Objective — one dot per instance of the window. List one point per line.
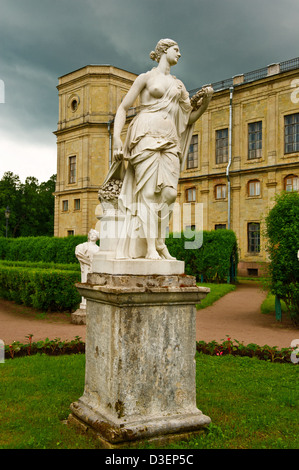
(190, 227)
(254, 188)
(291, 133)
(77, 204)
(291, 183)
(65, 206)
(191, 194)
(222, 146)
(220, 226)
(254, 140)
(192, 157)
(220, 191)
(254, 237)
(70, 233)
(252, 272)
(72, 169)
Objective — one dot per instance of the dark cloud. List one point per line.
(42, 40)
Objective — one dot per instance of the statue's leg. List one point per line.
(148, 214)
(168, 195)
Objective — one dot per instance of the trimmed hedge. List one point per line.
(45, 289)
(47, 249)
(215, 261)
(40, 265)
(41, 272)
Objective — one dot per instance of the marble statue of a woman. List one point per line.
(157, 140)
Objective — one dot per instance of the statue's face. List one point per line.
(93, 236)
(173, 54)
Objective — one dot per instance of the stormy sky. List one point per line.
(40, 40)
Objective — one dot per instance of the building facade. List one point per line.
(244, 150)
(88, 100)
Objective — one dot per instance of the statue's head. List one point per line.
(93, 235)
(161, 48)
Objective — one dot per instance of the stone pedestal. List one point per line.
(79, 316)
(140, 358)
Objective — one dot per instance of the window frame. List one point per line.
(193, 153)
(249, 185)
(72, 169)
(65, 205)
(253, 240)
(75, 203)
(295, 135)
(187, 192)
(293, 178)
(223, 194)
(221, 146)
(255, 142)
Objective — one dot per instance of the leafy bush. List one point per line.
(236, 348)
(214, 261)
(282, 231)
(45, 289)
(47, 249)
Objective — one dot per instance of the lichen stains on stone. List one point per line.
(120, 409)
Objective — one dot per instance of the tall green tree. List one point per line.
(282, 231)
(31, 206)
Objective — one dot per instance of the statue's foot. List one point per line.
(152, 254)
(163, 251)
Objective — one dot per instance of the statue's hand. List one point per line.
(208, 93)
(118, 149)
(202, 97)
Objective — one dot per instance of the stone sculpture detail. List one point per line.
(84, 253)
(156, 146)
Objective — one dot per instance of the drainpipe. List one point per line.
(229, 156)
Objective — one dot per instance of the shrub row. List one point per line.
(40, 265)
(50, 347)
(47, 249)
(58, 347)
(45, 289)
(215, 261)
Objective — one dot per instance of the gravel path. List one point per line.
(236, 315)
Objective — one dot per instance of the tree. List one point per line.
(282, 231)
(31, 205)
(10, 193)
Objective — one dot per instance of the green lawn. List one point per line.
(268, 306)
(217, 291)
(252, 403)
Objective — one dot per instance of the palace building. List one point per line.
(244, 150)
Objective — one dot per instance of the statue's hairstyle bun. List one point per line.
(153, 55)
(161, 48)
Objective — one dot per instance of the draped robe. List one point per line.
(157, 141)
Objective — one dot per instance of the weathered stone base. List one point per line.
(117, 436)
(79, 316)
(140, 357)
(102, 264)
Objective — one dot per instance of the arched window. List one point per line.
(191, 194)
(291, 183)
(254, 188)
(220, 191)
